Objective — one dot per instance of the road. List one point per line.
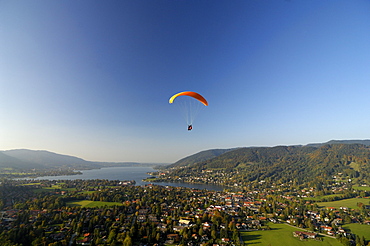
(71, 241)
(321, 234)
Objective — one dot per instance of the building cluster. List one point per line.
(197, 215)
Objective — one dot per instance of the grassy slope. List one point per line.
(362, 188)
(92, 204)
(282, 235)
(317, 198)
(359, 229)
(349, 203)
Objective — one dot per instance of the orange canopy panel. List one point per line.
(190, 94)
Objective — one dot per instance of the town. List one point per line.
(102, 212)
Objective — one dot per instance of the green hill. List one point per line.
(198, 157)
(39, 159)
(355, 141)
(285, 163)
(25, 159)
(44, 158)
(7, 161)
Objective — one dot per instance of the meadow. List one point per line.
(92, 204)
(359, 229)
(319, 198)
(58, 187)
(282, 235)
(51, 188)
(349, 203)
(367, 188)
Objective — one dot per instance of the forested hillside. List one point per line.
(198, 157)
(355, 141)
(44, 158)
(7, 161)
(23, 160)
(284, 163)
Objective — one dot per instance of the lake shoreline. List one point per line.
(138, 174)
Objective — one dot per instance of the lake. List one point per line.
(128, 173)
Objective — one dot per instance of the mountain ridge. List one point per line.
(43, 159)
(198, 157)
(354, 141)
(27, 159)
(214, 153)
(279, 164)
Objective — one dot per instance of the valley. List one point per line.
(301, 195)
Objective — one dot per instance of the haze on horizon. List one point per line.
(92, 79)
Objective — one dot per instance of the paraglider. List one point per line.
(190, 94)
(190, 104)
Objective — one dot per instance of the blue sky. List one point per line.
(93, 78)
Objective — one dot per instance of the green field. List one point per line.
(282, 235)
(58, 187)
(52, 189)
(349, 203)
(361, 188)
(359, 230)
(92, 204)
(318, 198)
(150, 179)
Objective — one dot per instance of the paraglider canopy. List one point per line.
(190, 105)
(190, 94)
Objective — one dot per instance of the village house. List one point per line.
(173, 238)
(304, 235)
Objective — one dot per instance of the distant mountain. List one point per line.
(285, 163)
(44, 158)
(7, 161)
(40, 159)
(364, 142)
(198, 157)
(212, 153)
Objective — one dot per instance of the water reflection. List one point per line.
(128, 173)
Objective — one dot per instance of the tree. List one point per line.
(98, 241)
(201, 232)
(213, 234)
(127, 241)
(345, 241)
(112, 236)
(223, 233)
(362, 240)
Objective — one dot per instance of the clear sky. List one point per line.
(92, 79)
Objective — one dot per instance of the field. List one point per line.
(349, 203)
(92, 204)
(359, 229)
(59, 187)
(52, 188)
(318, 198)
(367, 188)
(282, 235)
